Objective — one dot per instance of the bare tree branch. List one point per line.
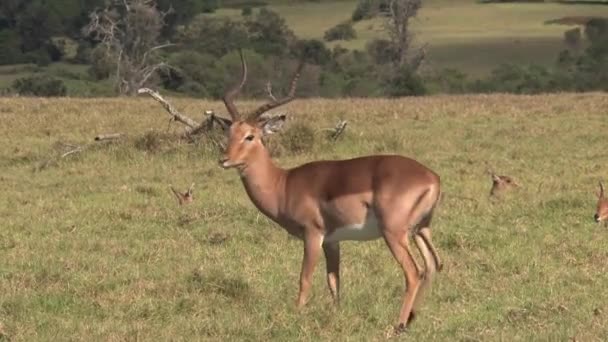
(129, 31)
(177, 116)
(396, 24)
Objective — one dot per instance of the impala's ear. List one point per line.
(495, 178)
(271, 125)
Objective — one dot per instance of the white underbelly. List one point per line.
(368, 230)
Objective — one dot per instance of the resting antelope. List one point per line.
(325, 202)
(501, 184)
(185, 197)
(601, 214)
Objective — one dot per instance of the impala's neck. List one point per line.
(264, 183)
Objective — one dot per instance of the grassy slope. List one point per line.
(472, 37)
(95, 247)
(460, 34)
(74, 77)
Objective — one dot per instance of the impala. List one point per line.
(501, 184)
(325, 202)
(183, 197)
(601, 214)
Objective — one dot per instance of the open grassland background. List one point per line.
(463, 34)
(94, 247)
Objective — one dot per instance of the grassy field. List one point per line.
(462, 34)
(94, 246)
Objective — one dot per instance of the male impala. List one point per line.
(325, 202)
(601, 214)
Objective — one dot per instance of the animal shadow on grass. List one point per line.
(217, 282)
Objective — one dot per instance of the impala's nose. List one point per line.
(596, 217)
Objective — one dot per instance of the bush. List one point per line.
(209, 6)
(246, 11)
(447, 80)
(573, 37)
(364, 10)
(101, 64)
(510, 78)
(403, 82)
(39, 86)
(84, 53)
(269, 34)
(313, 50)
(39, 57)
(10, 53)
(193, 88)
(298, 137)
(343, 31)
(381, 51)
(222, 35)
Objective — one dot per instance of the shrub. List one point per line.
(364, 10)
(246, 11)
(38, 57)
(517, 79)
(448, 80)
(298, 137)
(403, 82)
(151, 141)
(84, 52)
(343, 31)
(313, 50)
(39, 86)
(10, 53)
(222, 35)
(209, 6)
(381, 51)
(101, 64)
(573, 37)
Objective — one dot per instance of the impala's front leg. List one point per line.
(312, 251)
(332, 260)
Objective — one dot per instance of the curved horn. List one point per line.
(601, 189)
(231, 94)
(274, 103)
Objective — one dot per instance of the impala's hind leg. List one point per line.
(332, 261)
(394, 239)
(429, 271)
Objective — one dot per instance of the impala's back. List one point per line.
(349, 198)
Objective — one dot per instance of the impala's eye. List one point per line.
(249, 137)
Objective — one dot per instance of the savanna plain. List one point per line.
(93, 246)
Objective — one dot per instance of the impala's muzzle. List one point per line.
(225, 162)
(596, 217)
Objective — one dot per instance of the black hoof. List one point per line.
(400, 329)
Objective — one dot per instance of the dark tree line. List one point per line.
(178, 46)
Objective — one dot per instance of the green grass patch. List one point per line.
(96, 247)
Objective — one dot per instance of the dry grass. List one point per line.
(95, 247)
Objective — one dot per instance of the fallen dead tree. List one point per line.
(210, 122)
